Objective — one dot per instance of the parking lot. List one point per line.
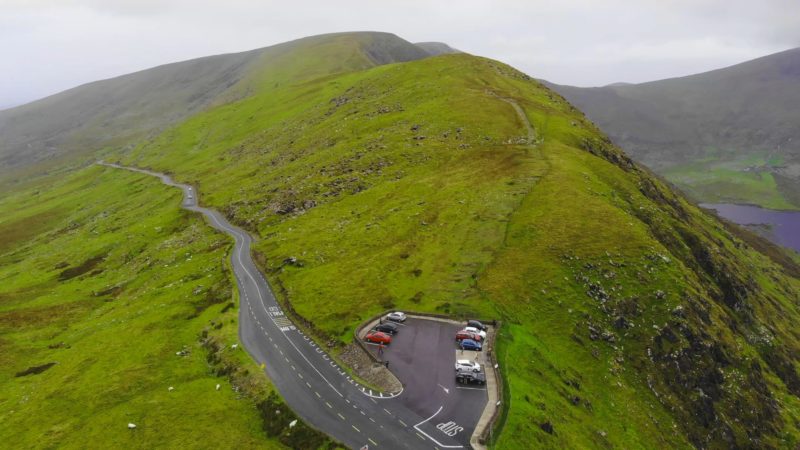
(423, 355)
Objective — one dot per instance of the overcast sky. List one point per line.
(50, 45)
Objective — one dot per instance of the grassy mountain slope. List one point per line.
(633, 318)
(727, 135)
(106, 280)
(116, 112)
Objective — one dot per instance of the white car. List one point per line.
(481, 333)
(396, 316)
(467, 365)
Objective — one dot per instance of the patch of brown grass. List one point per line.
(14, 233)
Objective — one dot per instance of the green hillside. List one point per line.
(632, 319)
(729, 135)
(103, 282)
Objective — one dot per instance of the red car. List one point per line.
(464, 334)
(378, 338)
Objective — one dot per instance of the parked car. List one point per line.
(467, 366)
(477, 324)
(463, 334)
(387, 327)
(477, 331)
(471, 378)
(378, 337)
(469, 344)
(396, 316)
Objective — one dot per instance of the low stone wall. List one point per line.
(495, 405)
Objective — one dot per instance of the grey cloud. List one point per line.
(50, 45)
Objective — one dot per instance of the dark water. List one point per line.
(781, 227)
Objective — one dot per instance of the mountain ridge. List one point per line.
(135, 105)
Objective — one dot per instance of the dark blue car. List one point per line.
(469, 344)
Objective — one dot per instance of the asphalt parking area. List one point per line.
(422, 356)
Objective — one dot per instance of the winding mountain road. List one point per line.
(310, 381)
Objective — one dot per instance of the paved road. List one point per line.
(312, 384)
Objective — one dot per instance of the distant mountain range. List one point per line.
(729, 135)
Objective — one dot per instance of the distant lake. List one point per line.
(781, 227)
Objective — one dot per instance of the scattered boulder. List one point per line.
(547, 427)
(292, 261)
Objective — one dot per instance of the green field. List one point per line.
(632, 318)
(747, 180)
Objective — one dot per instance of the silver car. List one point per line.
(396, 316)
(467, 365)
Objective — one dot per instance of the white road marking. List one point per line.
(416, 427)
(340, 415)
(354, 427)
(329, 405)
